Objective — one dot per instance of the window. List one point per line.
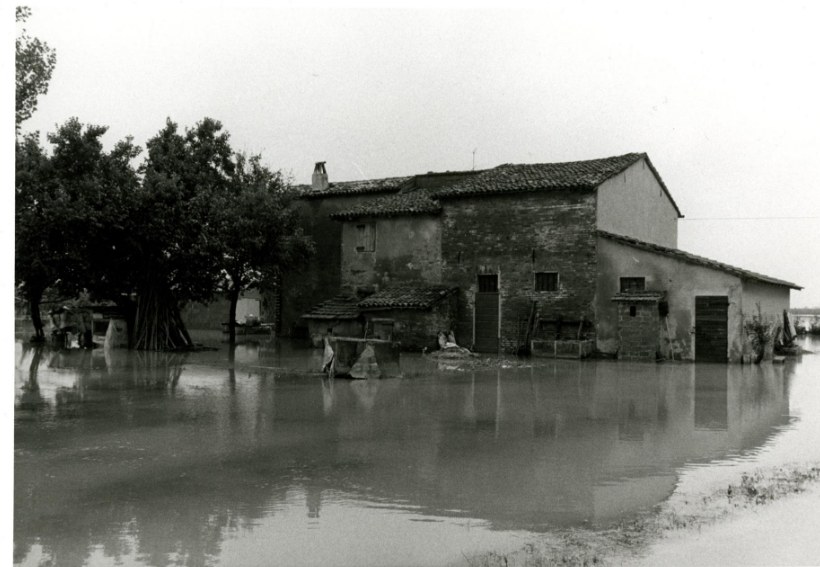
(488, 283)
(365, 237)
(546, 281)
(632, 284)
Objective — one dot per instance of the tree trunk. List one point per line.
(233, 296)
(158, 324)
(34, 298)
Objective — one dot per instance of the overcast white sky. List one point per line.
(724, 98)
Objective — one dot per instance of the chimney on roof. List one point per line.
(319, 177)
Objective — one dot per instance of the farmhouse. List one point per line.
(557, 257)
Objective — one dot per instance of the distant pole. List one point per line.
(474, 149)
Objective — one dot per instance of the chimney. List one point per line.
(319, 177)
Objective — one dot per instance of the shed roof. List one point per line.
(406, 297)
(416, 203)
(339, 307)
(694, 259)
(364, 186)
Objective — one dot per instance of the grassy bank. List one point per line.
(625, 541)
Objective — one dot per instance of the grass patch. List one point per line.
(584, 547)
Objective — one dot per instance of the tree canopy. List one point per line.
(259, 230)
(34, 64)
(71, 207)
(193, 220)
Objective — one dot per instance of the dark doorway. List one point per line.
(711, 328)
(486, 314)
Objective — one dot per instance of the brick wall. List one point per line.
(516, 236)
(639, 333)
(417, 329)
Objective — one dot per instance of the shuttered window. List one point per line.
(633, 284)
(546, 281)
(365, 237)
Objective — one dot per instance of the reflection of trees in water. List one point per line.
(170, 503)
(30, 397)
(157, 369)
(175, 521)
(113, 369)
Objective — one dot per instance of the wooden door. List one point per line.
(486, 314)
(711, 328)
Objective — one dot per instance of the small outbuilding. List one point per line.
(653, 302)
(411, 315)
(337, 316)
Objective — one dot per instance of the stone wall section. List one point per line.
(514, 236)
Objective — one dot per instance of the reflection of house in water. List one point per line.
(589, 444)
(711, 398)
(313, 499)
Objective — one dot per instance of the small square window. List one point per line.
(546, 281)
(629, 285)
(488, 283)
(365, 237)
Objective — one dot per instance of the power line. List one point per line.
(747, 218)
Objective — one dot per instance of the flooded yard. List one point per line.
(125, 458)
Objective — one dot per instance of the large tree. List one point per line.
(259, 231)
(178, 247)
(72, 208)
(195, 219)
(34, 64)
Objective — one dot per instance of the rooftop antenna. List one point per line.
(474, 149)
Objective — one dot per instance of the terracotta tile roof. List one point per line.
(507, 178)
(416, 203)
(339, 307)
(516, 178)
(417, 297)
(694, 259)
(387, 185)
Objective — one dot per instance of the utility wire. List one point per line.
(745, 218)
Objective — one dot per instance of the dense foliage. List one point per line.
(34, 64)
(259, 231)
(71, 207)
(193, 220)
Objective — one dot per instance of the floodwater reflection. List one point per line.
(155, 458)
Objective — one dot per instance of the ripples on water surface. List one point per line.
(154, 459)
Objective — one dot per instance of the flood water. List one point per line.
(126, 458)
